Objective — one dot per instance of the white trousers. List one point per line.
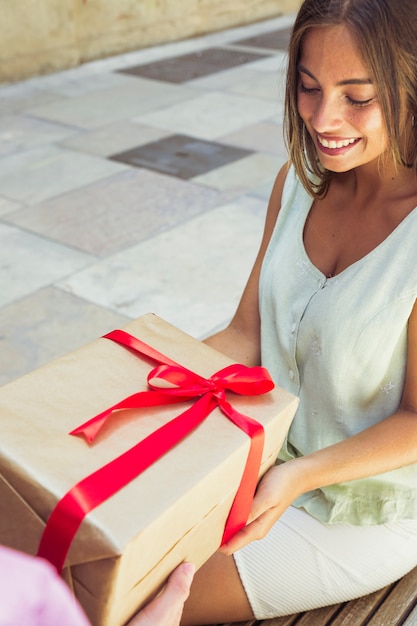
(303, 564)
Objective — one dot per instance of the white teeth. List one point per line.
(335, 144)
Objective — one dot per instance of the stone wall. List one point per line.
(41, 36)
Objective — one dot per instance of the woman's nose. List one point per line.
(327, 115)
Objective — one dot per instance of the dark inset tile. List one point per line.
(195, 65)
(275, 40)
(181, 156)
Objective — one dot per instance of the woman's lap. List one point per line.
(303, 564)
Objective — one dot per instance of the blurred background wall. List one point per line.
(42, 36)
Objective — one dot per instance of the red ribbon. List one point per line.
(180, 385)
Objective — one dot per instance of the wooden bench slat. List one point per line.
(359, 611)
(251, 622)
(396, 608)
(316, 617)
(411, 620)
(287, 620)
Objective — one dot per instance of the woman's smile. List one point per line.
(335, 144)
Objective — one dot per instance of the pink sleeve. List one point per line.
(32, 593)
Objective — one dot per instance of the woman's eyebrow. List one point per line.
(348, 81)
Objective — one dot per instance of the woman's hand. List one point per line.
(280, 486)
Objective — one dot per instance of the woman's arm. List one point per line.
(240, 340)
(388, 445)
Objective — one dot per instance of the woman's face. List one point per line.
(337, 100)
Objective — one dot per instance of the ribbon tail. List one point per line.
(93, 490)
(139, 347)
(139, 400)
(242, 502)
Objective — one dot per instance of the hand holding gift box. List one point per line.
(175, 510)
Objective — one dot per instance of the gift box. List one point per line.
(176, 509)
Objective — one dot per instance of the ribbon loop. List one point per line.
(244, 380)
(177, 379)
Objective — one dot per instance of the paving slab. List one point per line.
(266, 137)
(32, 334)
(48, 171)
(243, 175)
(211, 115)
(116, 213)
(106, 106)
(113, 138)
(20, 133)
(192, 280)
(19, 97)
(264, 85)
(29, 262)
(8, 206)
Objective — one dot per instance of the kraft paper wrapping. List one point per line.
(174, 511)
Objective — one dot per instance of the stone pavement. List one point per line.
(136, 183)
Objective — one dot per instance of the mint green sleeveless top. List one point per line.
(340, 345)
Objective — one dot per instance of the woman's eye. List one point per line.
(308, 90)
(359, 103)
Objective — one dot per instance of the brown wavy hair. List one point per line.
(386, 34)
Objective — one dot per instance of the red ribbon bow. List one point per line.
(168, 383)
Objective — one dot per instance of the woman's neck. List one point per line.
(374, 182)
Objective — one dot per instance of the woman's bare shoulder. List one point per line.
(275, 200)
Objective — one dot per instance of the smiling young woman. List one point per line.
(329, 309)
